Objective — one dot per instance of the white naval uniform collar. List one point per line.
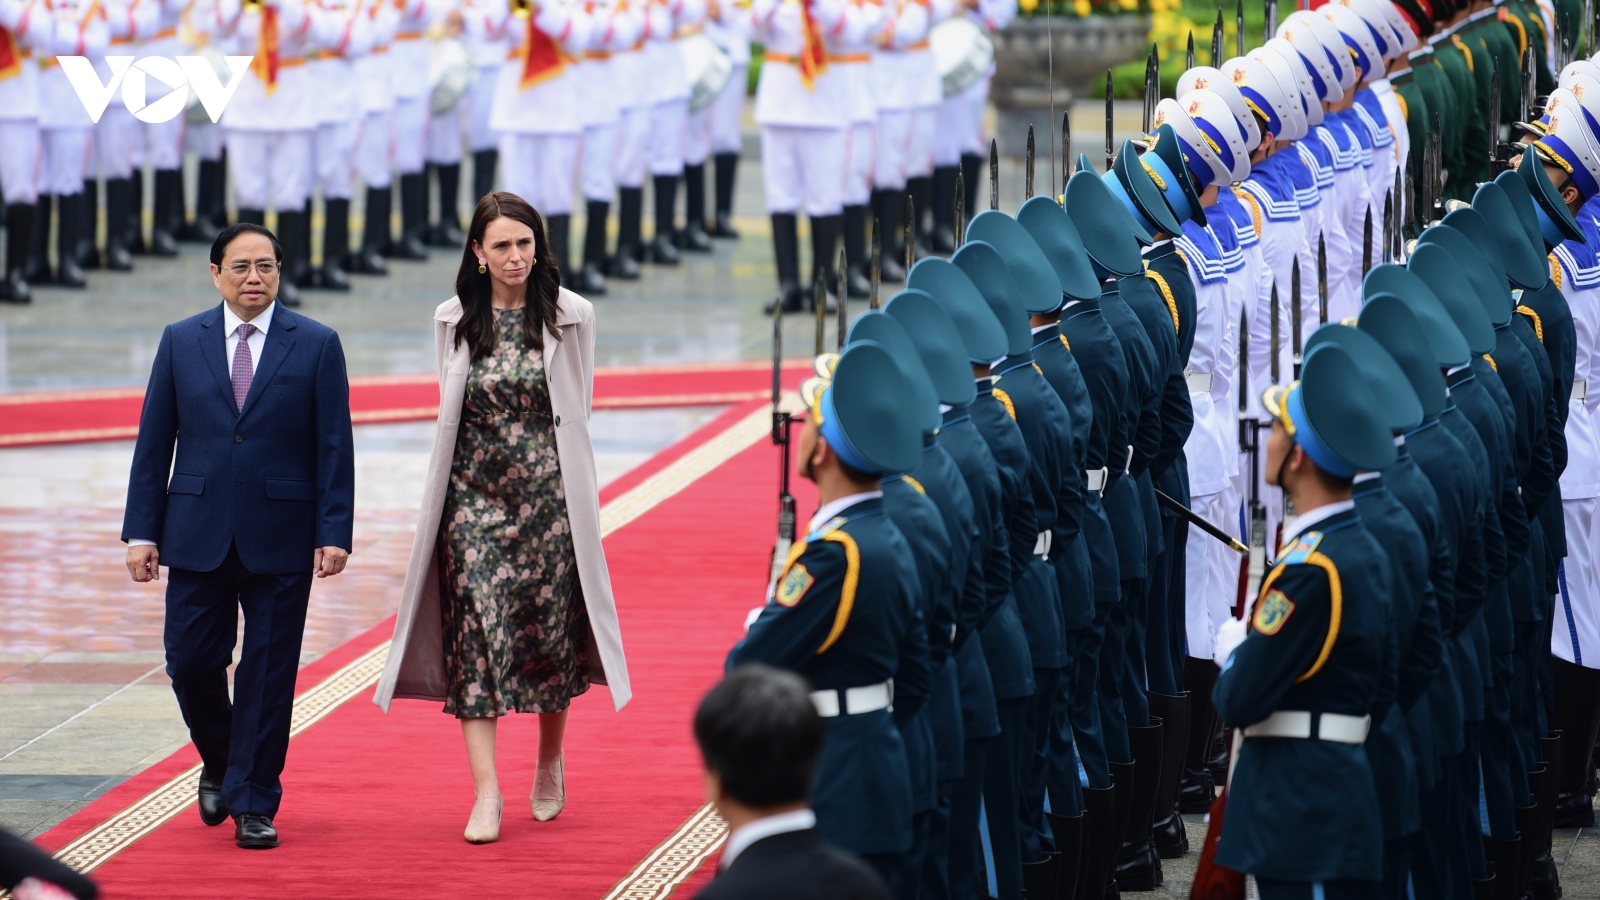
(742, 837)
(832, 508)
(1304, 521)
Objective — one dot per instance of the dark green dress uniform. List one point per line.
(1316, 670)
(845, 614)
(988, 582)
(1414, 106)
(1441, 862)
(1419, 644)
(1463, 144)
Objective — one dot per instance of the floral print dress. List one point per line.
(515, 628)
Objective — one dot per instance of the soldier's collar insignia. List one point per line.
(1303, 548)
(794, 585)
(1273, 610)
(826, 528)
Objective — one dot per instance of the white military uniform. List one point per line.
(203, 138)
(616, 27)
(483, 31)
(118, 136)
(906, 82)
(79, 29)
(271, 120)
(336, 101)
(443, 144)
(376, 96)
(730, 29)
(667, 81)
(535, 106)
(802, 127)
(1575, 635)
(25, 25)
(959, 131)
(408, 73)
(851, 62)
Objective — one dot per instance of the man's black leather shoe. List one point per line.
(254, 831)
(212, 810)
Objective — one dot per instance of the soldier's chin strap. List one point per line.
(1285, 464)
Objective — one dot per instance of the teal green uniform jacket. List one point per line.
(1104, 371)
(1307, 810)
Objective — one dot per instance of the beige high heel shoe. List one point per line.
(480, 830)
(549, 794)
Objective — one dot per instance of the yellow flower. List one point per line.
(1081, 7)
(1028, 6)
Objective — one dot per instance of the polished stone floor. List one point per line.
(85, 699)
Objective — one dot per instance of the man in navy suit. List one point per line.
(248, 409)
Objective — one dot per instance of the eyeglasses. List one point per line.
(266, 268)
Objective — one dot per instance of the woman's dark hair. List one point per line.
(760, 734)
(475, 289)
(220, 245)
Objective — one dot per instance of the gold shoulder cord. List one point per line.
(1005, 400)
(1538, 323)
(1166, 292)
(1335, 616)
(847, 594)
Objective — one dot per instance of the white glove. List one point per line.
(1230, 634)
(752, 616)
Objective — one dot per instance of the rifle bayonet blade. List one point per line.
(1188, 59)
(1238, 29)
(1366, 251)
(1066, 152)
(1322, 279)
(843, 289)
(1388, 225)
(1109, 111)
(1296, 320)
(876, 273)
(1217, 34)
(1494, 117)
(1027, 169)
(961, 208)
(819, 297)
(994, 175)
(1272, 363)
(911, 233)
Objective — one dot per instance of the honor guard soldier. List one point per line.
(981, 524)
(730, 28)
(408, 74)
(374, 146)
(443, 146)
(339, 121)
(160, 144)
(801, 110)
(483, 30)
(118, 141)
(845, 611)
(1305, 679)
(204, 139)
(959, 141)
(25, 26)
(906, 85)
(616, 27)
(65, 133)
(668, 85)
(850, 55)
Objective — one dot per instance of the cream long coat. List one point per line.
(415, 668)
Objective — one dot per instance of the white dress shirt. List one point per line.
(1303, 521)
(761, 829)
(828, 510)
(231, 323)
(258, 341)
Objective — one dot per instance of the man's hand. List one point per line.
(144, 563)
(330, 561)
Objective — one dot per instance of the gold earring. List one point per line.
(482, 269)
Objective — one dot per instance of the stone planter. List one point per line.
(1084, 49)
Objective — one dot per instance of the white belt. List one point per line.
(1297, 723)
(1199, 382)
(853, 701)
(1041, 545)
(1096, 478)
(1580, 390)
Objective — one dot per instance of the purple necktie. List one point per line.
(243, 371)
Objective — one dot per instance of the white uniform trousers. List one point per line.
(727, 113)
(118, 138)
(540, 169)
(1211, 572)
(19, 160)
(919, 152)
(1575, 634)
(204, 140)
(373, 148)
(335, 158)
(1344, 293)
(803, 167)
(444, 138)
(410, 133)
(631, 143)
(860, 159)
(65, 160)
(271, 168)
(163, 143)
(892, 148)
(960, 125)
(481, 98)
(596, 173)
(697, 139)
(668, 136)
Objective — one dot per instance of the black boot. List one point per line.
(591, 280)
(786, 253)
(630, 228)
(1039, 878)
(133, 224)
(448, 233)
(19, 247)
(1544, 876)
(1123, 778)
(824, 257)
(1068, 834)
(1197, 791)
(1170, 838)
(374, 234)
(944, 210)
(1138, 866)
(335, 245)
(727, 174)
(921, 231)
(413, 217)
(858, 262)
(890, 204)
(1502, 856)
(971, 165)
(87, 218)
(1527, 821)
(558, 228)
(663, 251)
(38, 270)
(119, 211)
(168, 212)
(70, 228)
(1100, 841)
(293, 230)
(693, 237)
(483, 163)
(305, 276)
(210, 212)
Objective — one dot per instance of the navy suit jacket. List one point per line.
(276, 478)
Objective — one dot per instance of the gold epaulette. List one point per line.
(1255, 208)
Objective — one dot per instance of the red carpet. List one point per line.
(105, 415)
(374, 805)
